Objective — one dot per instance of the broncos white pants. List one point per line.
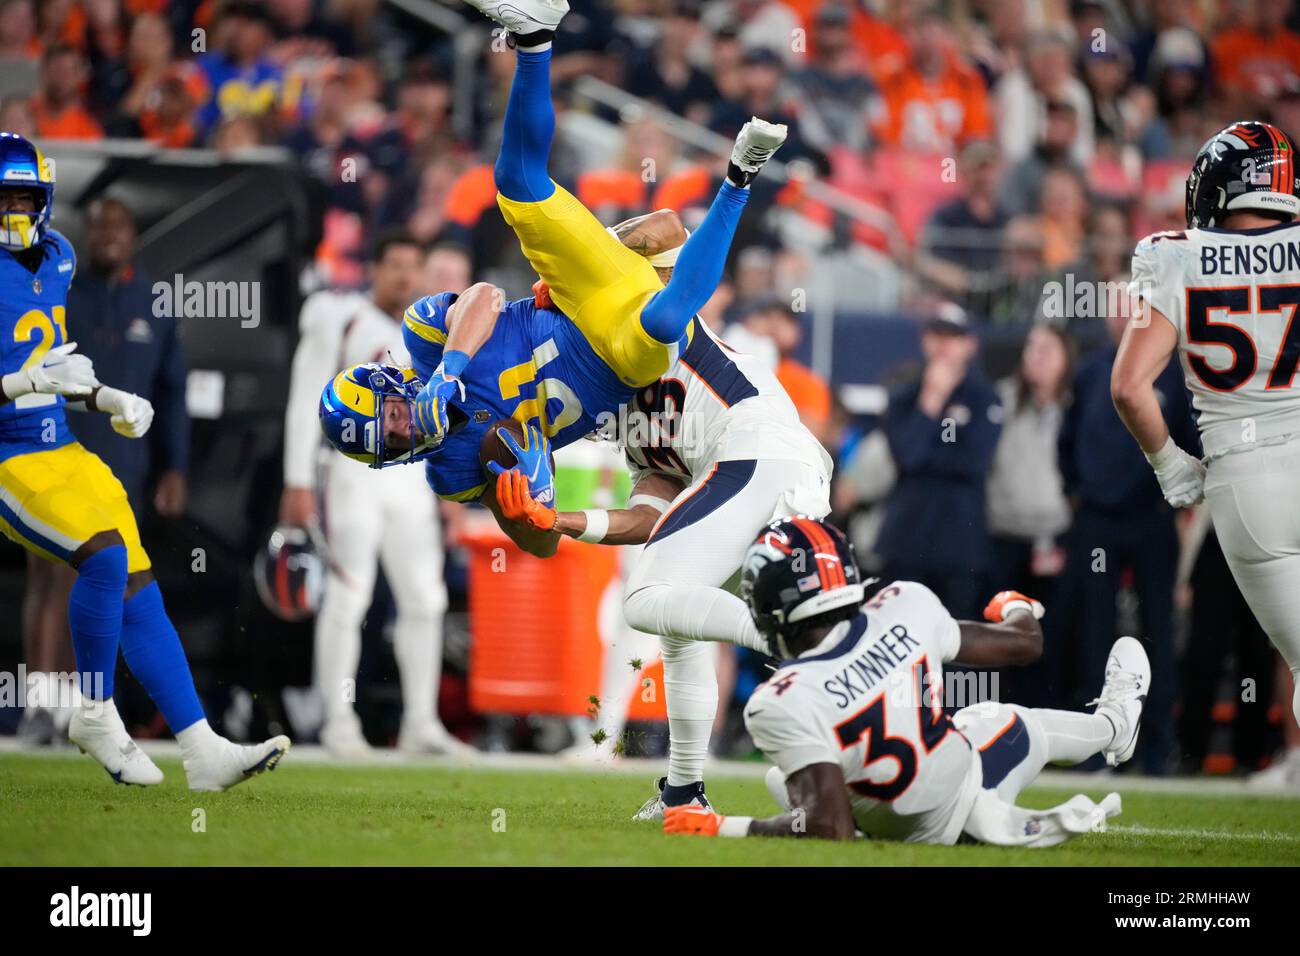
(682, 587)
(373, 516)
(1254, 499)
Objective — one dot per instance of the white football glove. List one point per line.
(131, 414)
(59, 372)
(1181, 477)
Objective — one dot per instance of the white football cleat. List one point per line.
(97, 730)
(1128, 679)
(757, 141)
(343, 739)
(653, 809)
(522, 17)
(1282, 775)
(224, 764)
(433, 738)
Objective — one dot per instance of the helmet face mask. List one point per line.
(23, 167)
(352, 415)
(1245, 167)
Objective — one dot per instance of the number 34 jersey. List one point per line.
(33, 321)
(869, 699)
(1232, 296)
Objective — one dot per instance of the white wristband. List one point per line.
(735, 826)
(1168, 453)
(597, 526)
(16, 384)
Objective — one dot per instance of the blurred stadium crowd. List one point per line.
(948, 162)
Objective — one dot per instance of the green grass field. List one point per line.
(66, 812)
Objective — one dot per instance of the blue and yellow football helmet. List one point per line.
(23, 166)
(351, 414)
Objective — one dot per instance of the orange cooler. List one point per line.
(535, 645)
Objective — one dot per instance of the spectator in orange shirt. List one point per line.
(168, 116)
(58, 107)
(935, 104)
(883, 39)
(1253, 59)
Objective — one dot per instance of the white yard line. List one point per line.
(315, 755)
(1263, 836)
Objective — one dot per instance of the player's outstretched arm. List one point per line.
(1013, 635)
(617, 526)
(820, 810)
(527, 537)
(1149, 342)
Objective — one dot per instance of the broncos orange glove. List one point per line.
(518, 505)
(1004, 602)
(692, 818)
(541, 294)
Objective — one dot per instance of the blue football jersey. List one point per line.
(33, 315)
(535, 367)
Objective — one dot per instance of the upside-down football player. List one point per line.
(614, 326)
(854, 716)
(63, 503)
(479, 359)
(716, 450)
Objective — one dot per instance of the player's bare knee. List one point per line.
(137, 581)
(95, 544)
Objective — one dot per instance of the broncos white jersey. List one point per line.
(870, 699)
(1232, 296)
(714, 404)
(336, 330)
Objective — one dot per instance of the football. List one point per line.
(492, 448)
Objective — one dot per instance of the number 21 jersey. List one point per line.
(33, 321)
(1232, 296)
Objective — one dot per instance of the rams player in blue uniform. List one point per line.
(615, 326)
(63, 503)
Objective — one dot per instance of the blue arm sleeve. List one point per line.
(698, 270)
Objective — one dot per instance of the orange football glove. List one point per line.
(518, 505)
(541, 294)
(1004, 602)
(693, 819)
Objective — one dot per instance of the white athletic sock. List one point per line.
(197, 739)
(417, 645)
(1073, 737)
(1295, 698)
(691, 689)
(693, 613)
(338, 650)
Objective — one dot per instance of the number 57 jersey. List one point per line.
(869, 699)
(33, 321)
(1232, 296)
